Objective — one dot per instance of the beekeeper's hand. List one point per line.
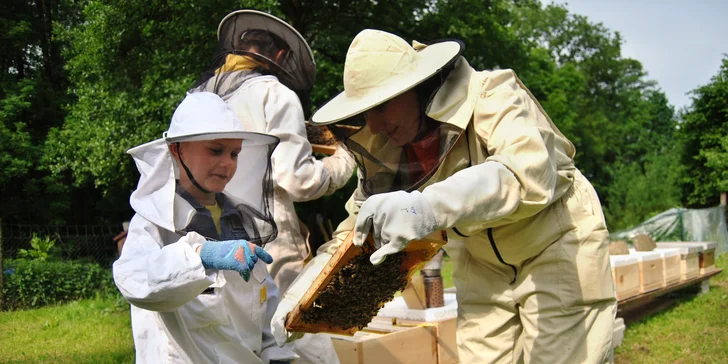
(237, 255)
(294, 294)
(340, 166)
(395, 218)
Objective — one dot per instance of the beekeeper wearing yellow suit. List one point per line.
(264, 69)
(444, 147)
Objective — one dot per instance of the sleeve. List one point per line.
(294, 168)
(156, 277)
(527, 168)
(352, 207)
(270, 350)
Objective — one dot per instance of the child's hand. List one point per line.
(237, 255)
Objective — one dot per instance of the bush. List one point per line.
(35, 283)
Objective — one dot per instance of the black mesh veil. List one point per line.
(252, 43)
(249, 193)
(255, 203)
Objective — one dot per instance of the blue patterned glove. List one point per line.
(234, 255)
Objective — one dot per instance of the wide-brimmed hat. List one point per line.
(205, 116)
(380, 66)
(298, 67)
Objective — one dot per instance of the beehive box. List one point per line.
(651, 268)
(671, 265)
(706, 259)
(349, 290)
(391, 340)
(689, 258)
(626, 274)
(413, 344)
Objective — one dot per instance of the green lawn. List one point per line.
(88, 331)
(694, 330)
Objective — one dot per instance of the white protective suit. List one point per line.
(267, 106)
(163, 278)
(525, 228)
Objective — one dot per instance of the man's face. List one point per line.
(398, 119)
(213, 163)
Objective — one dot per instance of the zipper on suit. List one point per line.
(495, 250)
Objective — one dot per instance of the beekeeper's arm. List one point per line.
(156, 277)
(294, 168)
(518, 179)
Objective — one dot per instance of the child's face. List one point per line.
(212, 162)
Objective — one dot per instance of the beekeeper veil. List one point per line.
(252, 43)
(205, 116)
(380, 67)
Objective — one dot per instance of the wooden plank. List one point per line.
(414, 294)
(629, 303)
(417, 254)
(324, 149)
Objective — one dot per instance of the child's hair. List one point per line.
(267, 43)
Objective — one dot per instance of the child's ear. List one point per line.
(174, 150)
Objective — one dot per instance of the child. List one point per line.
(192, 266)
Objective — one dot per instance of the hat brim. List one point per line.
(433, 59)
(249, 138)
(253, 19)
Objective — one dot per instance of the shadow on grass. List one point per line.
(661, 306)
(100, 357)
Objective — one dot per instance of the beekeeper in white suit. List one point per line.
(442, 146)
(193, 267)
(264, 69)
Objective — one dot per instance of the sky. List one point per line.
(679, 43)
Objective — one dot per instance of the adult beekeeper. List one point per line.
(193, 266)
(264, 69)
(442, 146)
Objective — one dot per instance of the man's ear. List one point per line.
(279, 56)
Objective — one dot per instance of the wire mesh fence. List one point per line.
(96, 243)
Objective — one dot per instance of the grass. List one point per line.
(693, 330)
(88, 331)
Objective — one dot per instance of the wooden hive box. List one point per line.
(689, 258)
(651, 267)
(626, 274)
(411, 344)
(671, 265)
(416, 254)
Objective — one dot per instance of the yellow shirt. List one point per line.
(215, 211)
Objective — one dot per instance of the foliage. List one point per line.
(42, 248)
(704, 131)
(32, 94)
(36, 283)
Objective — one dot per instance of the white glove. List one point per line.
(294, 294)
(397, 218)
(340, 166)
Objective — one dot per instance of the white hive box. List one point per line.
(671, 265)
(651, 268)
(706, 260)
(626, 274)
(689, 258)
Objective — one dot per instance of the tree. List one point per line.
(32, 94)
(704, 129)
